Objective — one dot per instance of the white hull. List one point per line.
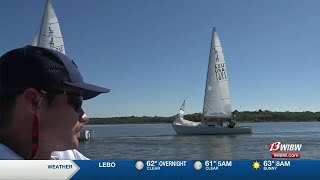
(204, 129)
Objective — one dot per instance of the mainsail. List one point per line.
(35, 40)
(217, 99)
(50, 34)
(182, 108)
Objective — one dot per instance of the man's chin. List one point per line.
(78, 134)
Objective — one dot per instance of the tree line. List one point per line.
(243, 116)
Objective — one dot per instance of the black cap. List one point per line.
(42, 68)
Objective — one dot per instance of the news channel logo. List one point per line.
(281, 150)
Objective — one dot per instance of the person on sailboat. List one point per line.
(232, 123)
(41, 94)
(220, 122)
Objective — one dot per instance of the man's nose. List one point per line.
(84, 119)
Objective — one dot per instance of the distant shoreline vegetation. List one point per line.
(244, 116)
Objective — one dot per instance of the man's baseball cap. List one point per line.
(42, 68)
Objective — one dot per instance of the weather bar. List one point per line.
(159, 169)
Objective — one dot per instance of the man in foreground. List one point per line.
(41, 93)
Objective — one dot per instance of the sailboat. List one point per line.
(217, 104)
(50, 34)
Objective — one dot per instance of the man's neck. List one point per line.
(42, 155)
(16, 147)
(21, 144)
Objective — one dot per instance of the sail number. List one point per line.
(51, 41)
(221, 73)
(60, 49)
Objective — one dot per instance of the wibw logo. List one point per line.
(288, 150)
(278, 146)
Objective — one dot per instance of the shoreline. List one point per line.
(242, 117)
(238, 122)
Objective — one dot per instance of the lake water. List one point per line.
(159, 141)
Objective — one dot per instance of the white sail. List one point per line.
(182, 107)
(217, 99)
(50, 34)
(35, 40)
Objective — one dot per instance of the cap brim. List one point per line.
(88, 90)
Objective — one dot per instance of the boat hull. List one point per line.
(203, 129)
(86, 135)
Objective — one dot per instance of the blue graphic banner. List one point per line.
(208, 169)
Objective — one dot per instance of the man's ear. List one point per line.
(31, 99)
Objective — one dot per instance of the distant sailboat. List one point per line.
(183, 106)
(217, 104)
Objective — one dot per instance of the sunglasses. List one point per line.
(73, 99)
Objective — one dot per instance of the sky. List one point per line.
(153, 54)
